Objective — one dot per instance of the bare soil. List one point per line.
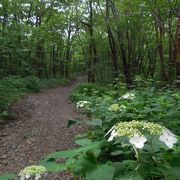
(40, 128)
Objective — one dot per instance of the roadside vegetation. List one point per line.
(13, 88)
(132, 134)
(130, 52)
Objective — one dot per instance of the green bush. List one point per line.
(87, 90)
(32, 84)
(127, 136)
(96, 158)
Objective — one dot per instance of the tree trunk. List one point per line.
(159, 38)
(92, 47)
(178, 48)
(112, 43)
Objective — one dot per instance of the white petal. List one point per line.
(138, 141)
(110, 138)
(113, 134)
(162, 138)
(167, 131)
(168, 140)
(27, 176)
(173, 139)
(169, 144)
(139, 145)
(109, 131)
(38, 176)
(22, 178)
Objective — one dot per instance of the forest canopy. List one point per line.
(109, 39)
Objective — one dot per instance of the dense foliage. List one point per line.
(104, 154)
(107, 38)
(133, 45)
(100, 157)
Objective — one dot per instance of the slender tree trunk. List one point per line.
(112, 42)
(122, 47)
(92, 47)
(159, 38)
(178, 49)
(68, 52)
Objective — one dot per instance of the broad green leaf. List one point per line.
(83, 142)
(130, 164)
(174, 173)
(130, 176)
(9, 176)
(70, 163)
(54, 167)
(95, 122)
(74, 152)
(119, 152)
(119, 168)
(100, 172)
(84, 164)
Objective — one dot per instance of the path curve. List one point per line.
(40, 128)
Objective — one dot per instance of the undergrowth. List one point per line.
(133, 135)
(14, 87)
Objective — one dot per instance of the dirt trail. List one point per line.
(40, 128)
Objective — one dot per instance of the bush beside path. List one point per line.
(40, 128)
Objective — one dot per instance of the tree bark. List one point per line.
(178, 48)
(92, 47)
(112, 43)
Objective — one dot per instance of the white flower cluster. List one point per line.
(134, 130)
(33, 171)
(82, 104)
(129, 96)
(116, 107)
(122, 107)
(113, 107)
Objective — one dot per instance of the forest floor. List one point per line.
(40, 127)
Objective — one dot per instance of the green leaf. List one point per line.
(74, 152)
(175, 161)
(83, 142)
(131, 176)
(84, 164)
(174, 173)
(52, 166)
(9, 176)
(119, 167)
(70, 163)
(130, 164)
(119, 152)
(95, 122)
(100, 172)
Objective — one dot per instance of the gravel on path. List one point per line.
(40, 128)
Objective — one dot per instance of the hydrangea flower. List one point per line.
(130, 96)
(122, 107)
(32, 171)
(168, 138)
(138, 141)
(81, 104)
(114, 107)
(136, 131)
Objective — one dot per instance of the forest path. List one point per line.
(40, 128)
